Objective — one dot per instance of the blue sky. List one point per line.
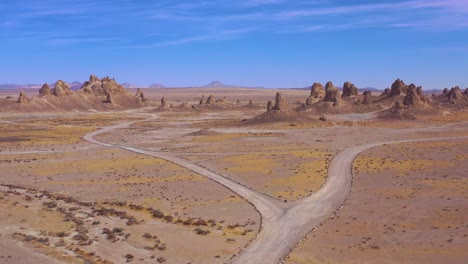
(271, 43)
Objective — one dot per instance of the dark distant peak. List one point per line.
(215, 84)
(156, 85)
(127, 85)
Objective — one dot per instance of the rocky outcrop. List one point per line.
(455, 94)
(250, 103)
(222, 100)
(349, 89)
(141, 96)
(269, 106)
(210, 100)
(386, 92)
(466, 92)
(367, 97)
(310, 101)
(398, 87)
(238, 102)
(61, 89)
(22, 98)
(281, 104)
(109, 98)
(317, 91)
(45, 90)
(100, 87)
(421, 94)
(163, 102)
(397, 108)
(445, 91)
(412, 98)
(332, 93)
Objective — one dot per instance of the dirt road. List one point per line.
(282, 228)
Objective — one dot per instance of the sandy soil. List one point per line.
(407, 206)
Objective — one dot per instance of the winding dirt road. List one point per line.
(282, 228)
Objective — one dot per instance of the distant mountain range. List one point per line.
(218, 84)
(73, 86)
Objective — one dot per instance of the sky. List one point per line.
(268, 43)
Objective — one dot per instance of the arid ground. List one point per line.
(228, 182)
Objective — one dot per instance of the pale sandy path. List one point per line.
(282, 228)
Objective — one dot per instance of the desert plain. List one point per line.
(233, 175)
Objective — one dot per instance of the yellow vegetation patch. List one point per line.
(308, 177)
(41, 220)
(377, 164)
(285, 174)
(27, 135)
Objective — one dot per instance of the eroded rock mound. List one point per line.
(421, 95)
(281, 104)
(163, 102)
(412, 97)
(455, 94)
(349, 89)
(210, 100)
(398, 87)
(332, 93)
(386, 92)
(61, 89)
(317, 90)
(109, 98)
(397, 108)
(141, 96)
(102, 87)
(22, 98)
(310, 101)
(45, 90)
(367, 97)
(269, 106)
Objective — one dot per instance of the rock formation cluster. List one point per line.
(332, 93)
(61, 89)
(45, 90)
(349, 89)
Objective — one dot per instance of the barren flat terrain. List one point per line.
(226, 182)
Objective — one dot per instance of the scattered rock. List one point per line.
(45, 90)
(349, 89)
(316, 90)
(281, 104)
(250, 103)
(61, 89)
(238, 102)
(323, 118)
